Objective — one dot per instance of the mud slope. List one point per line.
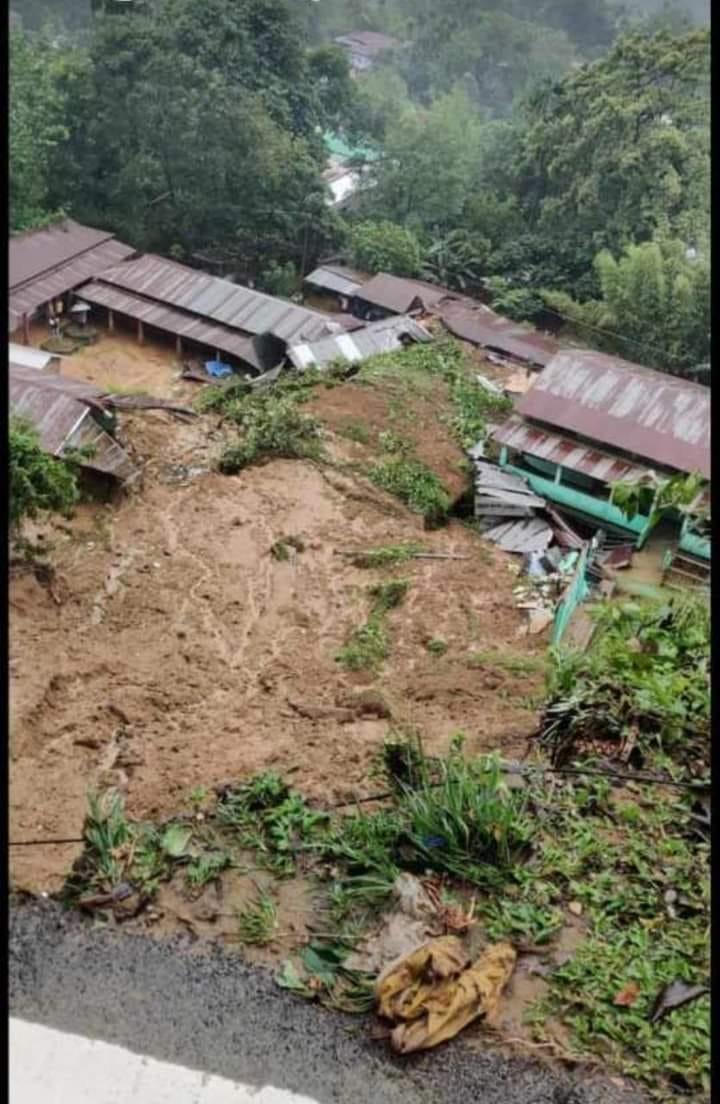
(176, 651)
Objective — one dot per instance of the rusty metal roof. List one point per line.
(378, 337)
(237, 307)
(26, 297)
(518, 434)
(400, 295)
(481, 326)
(650, 414)
(60, 410)
(176, 322)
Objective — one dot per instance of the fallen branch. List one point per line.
(411, 555)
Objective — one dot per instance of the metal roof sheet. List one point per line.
(398, 294)
(343, 281)
(603, 398)
(481, 326)
(55, 406)
(25, 356)
(235, 306)
(176, 322)
(518, 434)
(368, 42)
(27, 297)
(36, 251)
(378, 337)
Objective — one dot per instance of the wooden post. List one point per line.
(178, 345)
(141, 333)
(111, 321)
(26, 330)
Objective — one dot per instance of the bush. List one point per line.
(414, 484)
(270, 425)
(38, 482)
(385, 247)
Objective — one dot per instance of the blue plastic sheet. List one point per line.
(217, 369)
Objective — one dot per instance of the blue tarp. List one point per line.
(217, 369)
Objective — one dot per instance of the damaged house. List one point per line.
(591, 420)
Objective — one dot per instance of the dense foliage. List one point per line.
(551, 153)
(38, 482)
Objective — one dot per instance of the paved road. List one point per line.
(206, 1011)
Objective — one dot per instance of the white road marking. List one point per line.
(58, 1068)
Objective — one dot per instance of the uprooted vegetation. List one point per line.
(270, 421)
(369, 644)
(642, 690)
(626, 863)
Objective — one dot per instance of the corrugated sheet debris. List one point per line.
(60, 409)
(378, 337)
(210, 297)
(502, 494)
(526, 535)
(25, 356)
(602, 398)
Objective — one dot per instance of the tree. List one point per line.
(617, 150)
(654, 306)
(385, 247)
(36, 126)
(456, 260)
(38, 483)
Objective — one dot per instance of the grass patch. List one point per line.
(366, 649)
(508, 661)
(257, 921)
(414, 484)
(357, 432)
(388, 595)
(386, 556)
(207, 868)
(437, 646)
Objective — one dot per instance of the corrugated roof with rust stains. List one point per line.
(36, 251)
(337, 278)
(481, 326)
(602, 398)
(524, 436)
(230, 304)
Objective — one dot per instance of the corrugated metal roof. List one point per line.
(174, 321)
(27, 297)
(25, 356)
(238, 307)
(398, 294)
(518, 434)
(647, 413)
(36, 251)
(368, 42)
(56, 407)
(337, 278)
(378, 337)
(482, 326)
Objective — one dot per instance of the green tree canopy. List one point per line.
(38, 483)
(385, 247)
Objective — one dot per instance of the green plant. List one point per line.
(514, 662)
(437, 646)
(207, 867)
(388, 595)
(258, 920)
(38, 483)
(356, 431)
(267, 816)
(386, 556)
(281, 549)
(521, 920)
(414, 484)
(269, 427)
(367, 647)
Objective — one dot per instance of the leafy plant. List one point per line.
(258, 920)
(268, 817)
(207, 867)
(414, 484)
(437, 646)
(385, 247)
(367, 647)
(38, 482)
(388, 595)
(386, 556)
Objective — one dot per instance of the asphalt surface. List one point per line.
(207, 1010)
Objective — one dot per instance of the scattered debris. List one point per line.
(501, 494)
(673, 996)
(147, 402)
(433, 993)
(627, 995)
(529, 535)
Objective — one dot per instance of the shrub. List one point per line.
(38, 483)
